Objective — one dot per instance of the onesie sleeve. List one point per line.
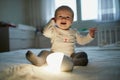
(48, 30)
(82, 40)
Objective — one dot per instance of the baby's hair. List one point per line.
(64, 8)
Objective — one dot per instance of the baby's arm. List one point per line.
(82, 40)
(49, 28)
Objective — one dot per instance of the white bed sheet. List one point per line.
(104, 64)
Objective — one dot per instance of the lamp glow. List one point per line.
(59, 62)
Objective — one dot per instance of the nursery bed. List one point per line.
(104, 64)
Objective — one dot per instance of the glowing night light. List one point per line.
(59, 62)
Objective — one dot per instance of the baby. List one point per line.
(63, 38)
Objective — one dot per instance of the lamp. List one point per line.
(60, 62)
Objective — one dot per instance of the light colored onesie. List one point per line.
(64, 40)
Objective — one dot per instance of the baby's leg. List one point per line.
(43, 55)
(36, 60)
(80, 59)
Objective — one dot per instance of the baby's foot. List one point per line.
(80, 62)
(33, 58)
(81, 55)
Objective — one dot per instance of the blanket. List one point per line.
(103, 65)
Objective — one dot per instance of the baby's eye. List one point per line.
(68, 17)
(60, 16)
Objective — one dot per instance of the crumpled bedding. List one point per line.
(103, 65)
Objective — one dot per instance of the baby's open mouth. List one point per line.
(63, 23)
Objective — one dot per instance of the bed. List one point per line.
(104, 64)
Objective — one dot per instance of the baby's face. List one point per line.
(64, 19)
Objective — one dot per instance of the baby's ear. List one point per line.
(53, 19)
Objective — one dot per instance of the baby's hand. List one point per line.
(52, 21)
(92, 32)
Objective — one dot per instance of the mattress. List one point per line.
(104, 64)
